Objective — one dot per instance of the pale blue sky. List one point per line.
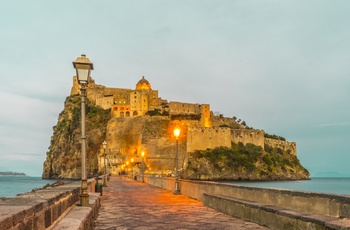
(281, 66)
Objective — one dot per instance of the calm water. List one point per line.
(12, 185)
(324, 185)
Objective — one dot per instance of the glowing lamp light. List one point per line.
(177, 133)
(104, 144)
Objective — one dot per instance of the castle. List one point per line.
(203, 129)
(131, 103)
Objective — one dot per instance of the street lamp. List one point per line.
(176, 135)
(83, 66)
(127, 168)
(104, 145)
(142, 166)
(132, 168)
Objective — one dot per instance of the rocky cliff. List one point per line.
(127, 137)
(63, 159)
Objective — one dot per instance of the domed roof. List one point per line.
(143, 84)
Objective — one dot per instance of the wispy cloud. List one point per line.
(335, 124)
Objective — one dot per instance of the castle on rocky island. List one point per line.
(204, 131)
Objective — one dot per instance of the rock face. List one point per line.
(63, 159)
(128, 137)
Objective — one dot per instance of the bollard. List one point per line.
(98, 186)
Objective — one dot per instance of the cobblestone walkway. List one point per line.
(128, 204)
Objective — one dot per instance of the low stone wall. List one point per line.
(307, 202)
(41, 209)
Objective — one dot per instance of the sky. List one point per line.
(280, 66)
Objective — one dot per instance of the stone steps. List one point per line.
(272, 216)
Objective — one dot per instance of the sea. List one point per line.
(330, 185)
(10, 186)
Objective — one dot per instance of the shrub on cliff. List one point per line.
(243, 162)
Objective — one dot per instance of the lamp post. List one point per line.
(176, 135)
(104, 144)
(83, 66)
(142, 166)
(132, 168)
(127, 168)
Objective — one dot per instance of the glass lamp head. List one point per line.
(83, 66)
(104, 144)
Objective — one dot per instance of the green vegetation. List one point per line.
(157, 112)
(274, 136)
(228, 163)
(185, 117)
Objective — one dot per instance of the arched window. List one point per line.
(128, 114)
(115, 108)
(135, 114)
(121, 114)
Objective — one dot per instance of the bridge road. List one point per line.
(128, 204)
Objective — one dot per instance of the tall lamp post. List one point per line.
(132, 168)
(83, 66)
(127, 168)
(142, 166)
(176, 135)
(104, 145)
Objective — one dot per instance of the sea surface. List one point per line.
(10, 186)
(323, 185)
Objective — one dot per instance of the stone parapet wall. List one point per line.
(41, 209)
(290, 147)
(307, 202)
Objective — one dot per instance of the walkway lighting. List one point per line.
(83, 67)
(176, 135)
(104, 145)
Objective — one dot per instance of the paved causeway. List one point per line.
(128, 204)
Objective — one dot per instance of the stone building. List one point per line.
(130, 103)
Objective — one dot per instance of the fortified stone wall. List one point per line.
(200, 138)
(205, 115)
(246, 136)
(183, 108)
(284, 145)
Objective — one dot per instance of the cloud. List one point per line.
(336, 124)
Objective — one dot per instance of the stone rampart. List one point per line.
(290, 147)
(200, 138)
(246, 136)
(41, 209)
(328, 205)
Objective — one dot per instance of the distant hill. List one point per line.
(12, 174)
